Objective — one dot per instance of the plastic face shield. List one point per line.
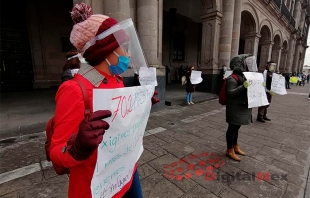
(250, 62)
(272, 67)
(127, 38)
(81, 59)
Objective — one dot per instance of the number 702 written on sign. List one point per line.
(128, 103)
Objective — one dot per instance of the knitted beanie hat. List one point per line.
(87, 26)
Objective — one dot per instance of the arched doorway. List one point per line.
(264, 47)
(248, 36)
(276, 50)
(284, 54)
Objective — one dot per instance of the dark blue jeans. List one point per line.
(135, 190)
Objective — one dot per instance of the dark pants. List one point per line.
(135, 190)
(262, 111)
(287, 84)
(232, 135)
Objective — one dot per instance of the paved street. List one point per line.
(184, 155)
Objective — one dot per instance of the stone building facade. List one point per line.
(173, 33)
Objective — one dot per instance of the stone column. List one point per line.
(276, 56)
(265, 55)
(302, 19)
(226, 32)
(251, 44)
(297, 10)
(210, 40)
(236, 29)
(35, 37)
(211, 23)
(119, 10)
(147, 26)
(282, 66)
(296, 57)
(290, 58)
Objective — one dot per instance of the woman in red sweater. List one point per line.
(76, 138)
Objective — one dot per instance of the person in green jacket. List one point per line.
(237, 111)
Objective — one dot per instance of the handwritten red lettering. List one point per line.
(124, 106)
(119, 102)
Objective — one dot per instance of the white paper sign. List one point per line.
(278, 84)
(256, 91)
(227, 74)
(147, 76)
(122, 143)
(196, 77)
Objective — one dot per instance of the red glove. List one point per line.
(154, 99)
(82, 145)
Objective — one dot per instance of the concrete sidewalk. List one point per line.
(184, 155)
(28, 112)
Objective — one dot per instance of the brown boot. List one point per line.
(238, 150)
(231, 153)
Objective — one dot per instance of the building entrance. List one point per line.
(16, 64)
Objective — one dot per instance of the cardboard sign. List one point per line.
(256, 91)
(196, 77)
(278, 84)
(147, 76)
(122, 145)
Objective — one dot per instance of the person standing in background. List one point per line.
(71, 67)
(287, 81)
(262, 110)
(190, 88)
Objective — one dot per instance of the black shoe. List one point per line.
(267, 119)
(260, 120)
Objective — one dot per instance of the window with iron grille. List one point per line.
(179, 47)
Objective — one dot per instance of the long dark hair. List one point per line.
(73, 63)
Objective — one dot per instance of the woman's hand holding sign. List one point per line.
(90, 135)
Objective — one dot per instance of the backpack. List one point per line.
(60, 170)
(223, 92)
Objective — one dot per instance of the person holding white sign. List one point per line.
(109, 47)
(262, 111)
(190, 88)
(237, 111)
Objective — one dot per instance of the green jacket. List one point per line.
(237, 111)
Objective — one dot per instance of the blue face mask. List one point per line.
(121, 67)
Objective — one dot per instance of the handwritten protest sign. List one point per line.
(256, 91)
(122, 145)
(196, 77)
(227, 74)
(278, 84)
(147, 76)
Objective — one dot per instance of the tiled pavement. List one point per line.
(184, 155)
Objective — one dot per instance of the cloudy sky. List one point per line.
(307, 58)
